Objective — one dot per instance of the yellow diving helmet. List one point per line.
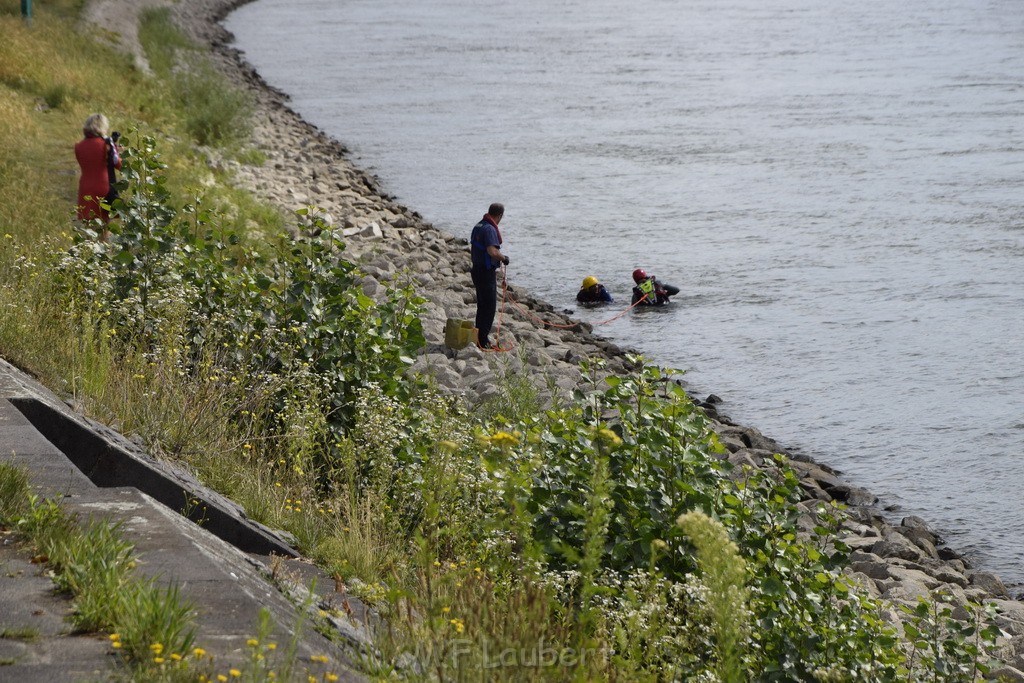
(589, 281)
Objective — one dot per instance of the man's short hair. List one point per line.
(496, 209)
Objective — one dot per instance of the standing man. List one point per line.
(485, 247)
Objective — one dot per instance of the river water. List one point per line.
(836, 188)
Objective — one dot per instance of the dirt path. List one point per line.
(121, 19)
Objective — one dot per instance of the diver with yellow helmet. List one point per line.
(593, 292)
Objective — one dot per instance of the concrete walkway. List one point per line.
(223, 568)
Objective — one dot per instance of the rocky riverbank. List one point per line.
(897, 561)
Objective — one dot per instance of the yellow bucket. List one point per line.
(458, 333)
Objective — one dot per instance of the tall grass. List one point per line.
(215, 112)
(95, 566)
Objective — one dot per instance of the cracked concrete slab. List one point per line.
(212, 564)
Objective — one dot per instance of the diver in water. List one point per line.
(648, 291)
(593, 293)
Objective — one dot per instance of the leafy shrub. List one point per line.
(292, 328)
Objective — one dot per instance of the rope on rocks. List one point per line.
(505, 296)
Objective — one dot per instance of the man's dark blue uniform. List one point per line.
(485, 247)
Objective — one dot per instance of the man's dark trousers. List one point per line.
(486, 301)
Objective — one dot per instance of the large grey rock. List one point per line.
(869, 565)
(1011, 616)
(907, 591)
(988, 582)
(916, 576)
(1006, 674)
(896, 545)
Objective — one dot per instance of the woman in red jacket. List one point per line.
(97, 155)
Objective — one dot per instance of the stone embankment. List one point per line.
(897, 561)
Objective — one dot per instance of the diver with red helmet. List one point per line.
(649, 291)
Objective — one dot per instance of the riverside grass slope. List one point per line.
(520, 540)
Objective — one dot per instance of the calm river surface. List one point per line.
(838, 189)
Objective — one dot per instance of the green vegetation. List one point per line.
(151, 627)
(95, 566)
(602, 539)
(25, 633)
(214, 112)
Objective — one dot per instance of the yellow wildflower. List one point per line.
(502, 439)
(609, 437)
